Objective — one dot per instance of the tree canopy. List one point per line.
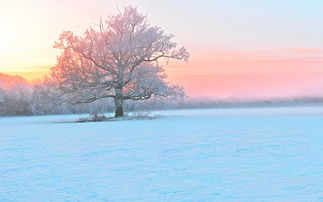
(119, 58)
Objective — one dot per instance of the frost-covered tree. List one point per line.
(119, 59)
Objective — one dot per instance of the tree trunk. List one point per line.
(118, 101)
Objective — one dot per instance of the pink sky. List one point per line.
(252, 74)
(246, 50)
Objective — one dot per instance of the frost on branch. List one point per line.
(117, 59)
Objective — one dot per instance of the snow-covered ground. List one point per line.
(273, 154)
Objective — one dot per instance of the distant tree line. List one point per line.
(22, 99)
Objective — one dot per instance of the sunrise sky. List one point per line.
(239, 48)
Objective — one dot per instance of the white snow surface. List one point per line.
(252, 154)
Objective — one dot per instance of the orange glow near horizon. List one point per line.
(31, 74)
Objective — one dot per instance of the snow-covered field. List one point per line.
(272, 154)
